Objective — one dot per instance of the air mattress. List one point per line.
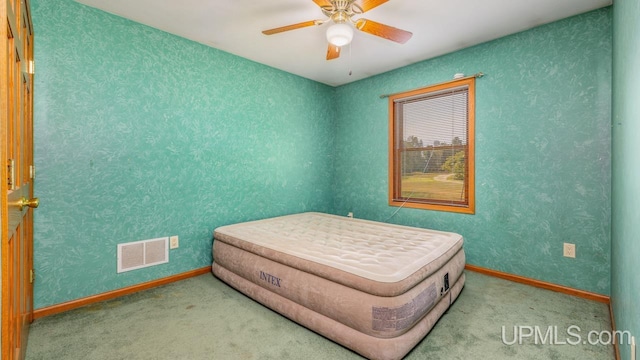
(372, 287)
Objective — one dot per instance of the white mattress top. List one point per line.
(377, 251)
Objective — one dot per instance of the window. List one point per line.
(431, 147)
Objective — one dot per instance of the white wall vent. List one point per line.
(140, 254)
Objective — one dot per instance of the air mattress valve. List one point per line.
(445, 285)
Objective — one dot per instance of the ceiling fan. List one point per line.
(340, 33)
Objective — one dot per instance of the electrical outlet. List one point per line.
(569, 250)
(174, 243)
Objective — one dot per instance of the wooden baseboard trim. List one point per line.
(540, 284)
(74, 304)
(616, 347)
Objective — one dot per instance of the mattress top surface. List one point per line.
(377, 251)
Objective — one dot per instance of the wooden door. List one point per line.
(16, 100)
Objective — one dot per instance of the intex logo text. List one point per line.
(270, 278)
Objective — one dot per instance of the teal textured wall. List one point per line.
(543, 115)
(141, 134)
(625, 253)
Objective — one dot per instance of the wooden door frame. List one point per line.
(4, 173)
(22, 28)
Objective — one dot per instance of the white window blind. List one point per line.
(431, 128)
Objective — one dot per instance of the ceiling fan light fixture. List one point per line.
(339, 34)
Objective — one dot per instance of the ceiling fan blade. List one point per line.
(333, 52)
(367, 5)
(384, 31)
(323, 3)
(290, 27)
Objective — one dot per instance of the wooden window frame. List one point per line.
(395, 199)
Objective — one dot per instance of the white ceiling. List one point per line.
(438, 27)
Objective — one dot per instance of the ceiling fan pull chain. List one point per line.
(350, 60)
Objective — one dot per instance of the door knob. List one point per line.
(32, 203)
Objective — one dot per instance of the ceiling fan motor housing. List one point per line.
(341, 11)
